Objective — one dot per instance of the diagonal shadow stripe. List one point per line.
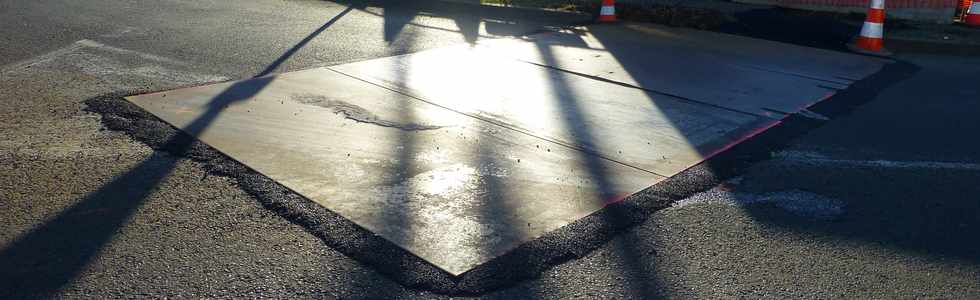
(46, 259)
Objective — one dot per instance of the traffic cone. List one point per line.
(962, 8)
(608, 11)
(973, 14)
(872, 37)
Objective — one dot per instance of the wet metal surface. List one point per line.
(743, 74)
(454, 190)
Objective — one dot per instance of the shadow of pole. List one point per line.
(411, 23)
(50, 256)
(469, 27)
(46, 259)
(289, 53)
(574, 121)
(399, 15)
(468, 17)
(498, 209)
(397, 203)
(395, 22)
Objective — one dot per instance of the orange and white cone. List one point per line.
(962, 8)
(872, 37)
(608, 11)
(973, 14)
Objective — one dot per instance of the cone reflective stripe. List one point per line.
(962, 8)
(973, 14)
(608, 11)
(872, 33)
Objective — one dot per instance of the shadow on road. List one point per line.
(922, 212)
(930, 213)
(572, 108)
(49, 257)
(468, 18)
(927, 212)
(52, 255)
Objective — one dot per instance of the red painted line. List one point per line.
(622, 197)
(726, 147)
(740, 140)
(811, 104)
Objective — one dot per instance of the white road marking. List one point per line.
(812, 115)
(58, 80)
(126, 31)
(801, 203)
(118, 67)
(101, 46)
(30, 62)
(816, 158)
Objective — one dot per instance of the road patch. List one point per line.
(457, 194)
(461, 154)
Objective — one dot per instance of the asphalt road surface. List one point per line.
(881, 201)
